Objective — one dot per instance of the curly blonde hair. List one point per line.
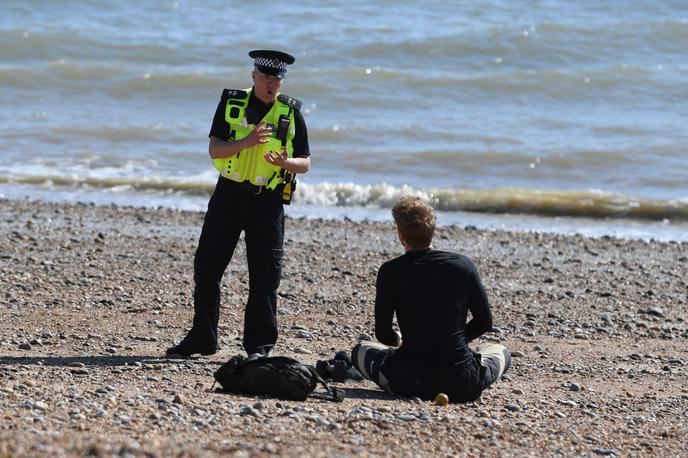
(415, 220)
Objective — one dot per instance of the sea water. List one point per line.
(522, 115)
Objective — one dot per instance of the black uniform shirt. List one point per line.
(255, 111)
(431, 292)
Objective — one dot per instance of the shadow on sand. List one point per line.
(364, 393)
(94, 361)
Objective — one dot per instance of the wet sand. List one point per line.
(91, 296)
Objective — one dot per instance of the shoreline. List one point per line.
(622, 228)
(597, 327)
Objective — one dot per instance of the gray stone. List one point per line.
(302, 351)
(248, 410)
(40, 405)
(491, 423)
(513, 407)
(304, 335)
(604, 451)
(654, 311)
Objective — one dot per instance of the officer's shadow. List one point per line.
(95, 361)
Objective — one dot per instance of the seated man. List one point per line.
(431, 293)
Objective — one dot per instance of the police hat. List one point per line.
(272, 62)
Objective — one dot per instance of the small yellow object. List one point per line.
(286, 192)
(441, 399)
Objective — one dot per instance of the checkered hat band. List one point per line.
(270, 63)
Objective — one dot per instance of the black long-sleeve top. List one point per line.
(431, 293)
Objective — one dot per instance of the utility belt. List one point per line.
(285, 190)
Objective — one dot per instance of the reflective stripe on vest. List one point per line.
(249, 163)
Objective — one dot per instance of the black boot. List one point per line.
(191, 345)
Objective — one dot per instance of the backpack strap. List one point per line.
(331, 394)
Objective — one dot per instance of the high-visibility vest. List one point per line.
(249, 164)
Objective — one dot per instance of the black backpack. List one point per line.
(276, 376)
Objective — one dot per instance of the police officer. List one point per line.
(258, 142)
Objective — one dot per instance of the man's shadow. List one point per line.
(94, 361)
(368, 394)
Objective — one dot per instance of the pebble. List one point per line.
(79, 371)
(654, 311)
(304, 335)
(248, 410)
(406, 417)
(302, 351)
(574, 387)
(40, 405)
(513, 407)
(491, 423)
(365, 336)
(604, 451)
(517, 354)
(320, 422)
(25, 346)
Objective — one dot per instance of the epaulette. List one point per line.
(234, 94)
(285, 99)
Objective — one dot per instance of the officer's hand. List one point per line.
(275, 158)
(260, 134)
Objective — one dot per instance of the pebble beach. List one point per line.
(92, 295)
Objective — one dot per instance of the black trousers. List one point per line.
(231, 210)
(409, 377)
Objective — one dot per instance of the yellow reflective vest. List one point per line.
(249, 163)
